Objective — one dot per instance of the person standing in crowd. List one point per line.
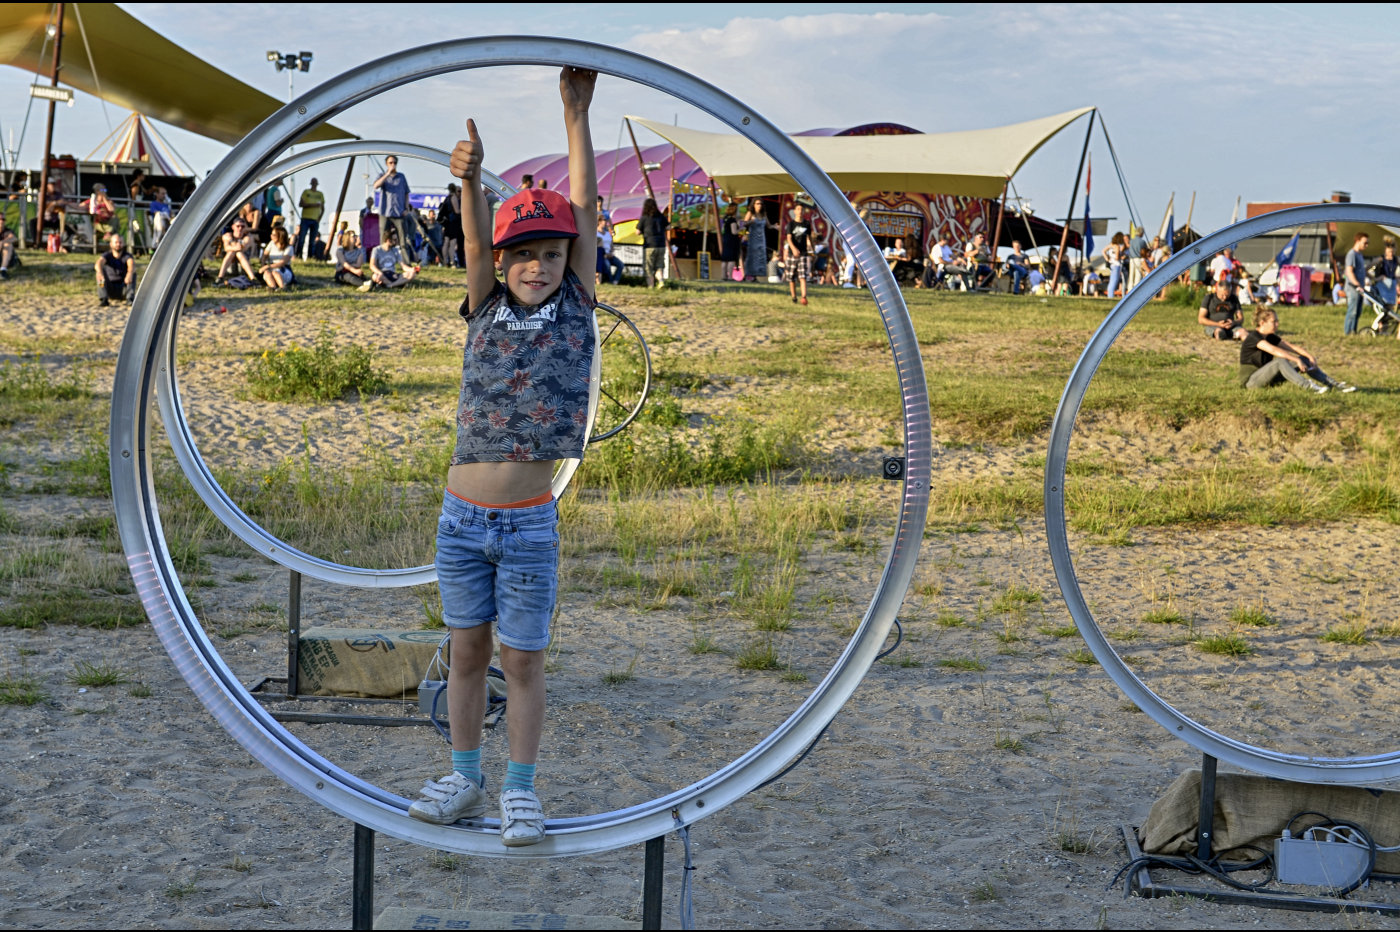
(1384, 272)
(1113, 255)
(1137, 265)
(312, 205)
(527, 182)
(756, 252)
(450, 217)
(799, 252)
(1223, 268)
(730, 238)
(1355, 277)
(116, 273)
(271, 211)
(160, 215)
(393, 200)
(9, 261)
(652, 225)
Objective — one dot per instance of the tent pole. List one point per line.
(48, 133)
(1133, 218)
(340, 202)
(1001, 212)
(1190, 210)
(640, 164)
(1069, 215)
(718, 220)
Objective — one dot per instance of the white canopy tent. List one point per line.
(973, 163)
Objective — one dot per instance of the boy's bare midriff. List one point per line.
(500, 483)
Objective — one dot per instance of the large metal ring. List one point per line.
(138, 519)
(182, 441)
(1301, 768)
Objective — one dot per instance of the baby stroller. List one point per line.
(1386, 320)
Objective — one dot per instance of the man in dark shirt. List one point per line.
(116, 273)
(1220, 313)
(798, 251)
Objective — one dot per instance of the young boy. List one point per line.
(523, 405)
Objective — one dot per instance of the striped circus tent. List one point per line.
(135, 140)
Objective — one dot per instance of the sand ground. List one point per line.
(988, 792)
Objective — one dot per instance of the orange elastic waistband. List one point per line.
(543, 499)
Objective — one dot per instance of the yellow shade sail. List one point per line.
(139, 69)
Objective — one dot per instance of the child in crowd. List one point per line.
(524, 404)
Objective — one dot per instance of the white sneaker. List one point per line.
(449, 799)
(1317, 387)
(522, 818)
(1343, 387)
(365, 287)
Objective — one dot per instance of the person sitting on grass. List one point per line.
(349, 260)
(384, 264)
(116, 273)
(276, 268)
(523, 406)
(1220, 315)
(1267, 359)
(238, 243)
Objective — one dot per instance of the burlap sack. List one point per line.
(1252, 810)
(361, 662)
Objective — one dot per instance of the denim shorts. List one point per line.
(499, 565)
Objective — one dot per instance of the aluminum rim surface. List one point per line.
(159, 586)
(1296, 767)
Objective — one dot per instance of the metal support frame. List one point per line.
(362, 885)
(1140, 883)
(1367, 770)
(145, 348)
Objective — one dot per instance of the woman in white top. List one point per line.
(276, 269)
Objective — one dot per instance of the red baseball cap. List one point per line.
(533, 214)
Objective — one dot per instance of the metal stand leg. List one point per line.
(1205, 823)
(362, 888)
(293, 633)
(651, 883)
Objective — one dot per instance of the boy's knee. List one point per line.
(521, 663)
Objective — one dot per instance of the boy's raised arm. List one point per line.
(476, 216)
(576, 89)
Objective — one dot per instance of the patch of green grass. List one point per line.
(1226, 645)
(963, 664)
(1164, 616)
(86, 673)
(1252, 616)
(1082, 655)
(80, 609)
(1058, 631)
(1354, 634)
(758, 655)
(949, 620)
(21, 690)
(325, 372)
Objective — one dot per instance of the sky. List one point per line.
(1260, 102)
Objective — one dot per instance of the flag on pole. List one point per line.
(1285, 255)
(1170, 238)
(1088, 250)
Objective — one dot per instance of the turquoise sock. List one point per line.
(519, 777)
(468, 764)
